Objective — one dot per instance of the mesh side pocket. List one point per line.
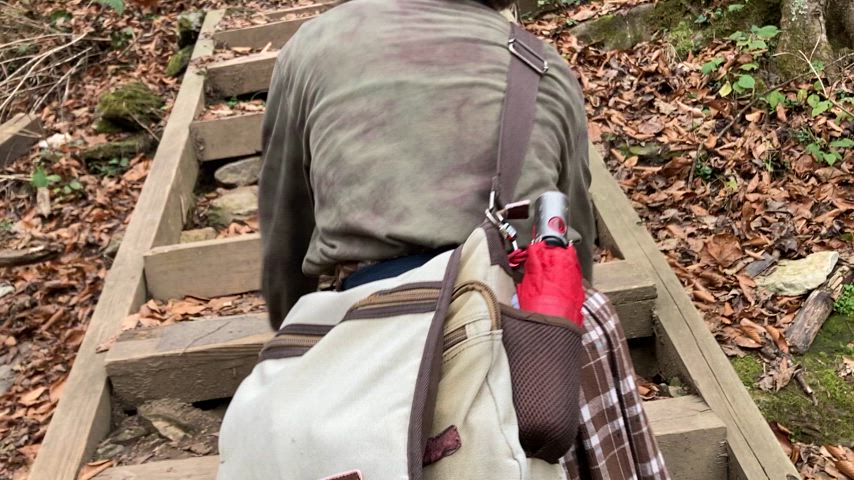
(545, 369)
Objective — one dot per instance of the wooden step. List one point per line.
(192, 361)
(227, 266)
(691, 437)
(314, 9)
(207, 358)
(242, 75)
(274, 34)
(229, 137)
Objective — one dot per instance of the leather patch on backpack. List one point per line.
(442, 445)
(351, 475)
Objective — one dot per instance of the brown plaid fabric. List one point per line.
(614, 439)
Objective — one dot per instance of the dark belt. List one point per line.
(388, 269)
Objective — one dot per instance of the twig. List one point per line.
(799, 377)
(150, 132)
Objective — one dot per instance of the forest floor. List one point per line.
(772, 174)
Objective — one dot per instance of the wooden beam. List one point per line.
(685, 341)
(82, 417)
(228, 137)
(227, 266)
(315, 9)
(210, 268)
(192, 361)
(691, 438)
(198, 468)
(276, 34)
(17, 135)
(241, 75)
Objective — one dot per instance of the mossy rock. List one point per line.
(125, 148)
(832, 422)
(179, 62)
(128, 108)
(189, 26)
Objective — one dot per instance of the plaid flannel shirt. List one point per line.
(614, 439)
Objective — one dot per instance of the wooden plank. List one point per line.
(82, 417)
(198, 360)
(691, 438)
(198, 468)
(228, 137)
(315, 9)
(241, 75)
(274, 34)
(210, 268)
(17, 135)
(213, 268)
(686, 343)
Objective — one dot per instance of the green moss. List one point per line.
(685, 38)
(128, 106)
(179, 62)
(833, 420)
(126, 148)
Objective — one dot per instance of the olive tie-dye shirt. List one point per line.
(381, 134)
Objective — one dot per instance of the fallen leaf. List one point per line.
(724, 248)
(56, 390)
(91, 470)
(32, 397)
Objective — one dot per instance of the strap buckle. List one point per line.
(500, 216)
(538, 63)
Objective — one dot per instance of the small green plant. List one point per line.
(110, 168)
(822, 150)
(704, 170)
(845, 303)
(6, 225)
(754, 43)
(41, 179)
(232, 102)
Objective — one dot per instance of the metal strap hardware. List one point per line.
(541, 66)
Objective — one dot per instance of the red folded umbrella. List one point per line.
(552, 282)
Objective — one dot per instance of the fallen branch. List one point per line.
(816, 309)
(29, 256)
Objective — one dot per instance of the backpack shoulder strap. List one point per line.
(527, 66)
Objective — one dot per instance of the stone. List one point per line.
(189, 27)
(6, 288)
(238, 204)
(179, 62)
(109, 450)
(118, 149)
(129, 107)
(198, 235)
(798, 277)
(7, 379)
(177, 420)
(113, 247)
(239, 173)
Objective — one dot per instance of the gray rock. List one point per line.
(109, 450)
(198, 235)
(7, 379)
(189, 27)
(177, 420)
(239, 173)
(238, 204)
(6, 289)
(799, 277)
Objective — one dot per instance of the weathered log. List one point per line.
(817, 307)
(28, 256)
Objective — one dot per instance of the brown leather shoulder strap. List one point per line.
(527, 66)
